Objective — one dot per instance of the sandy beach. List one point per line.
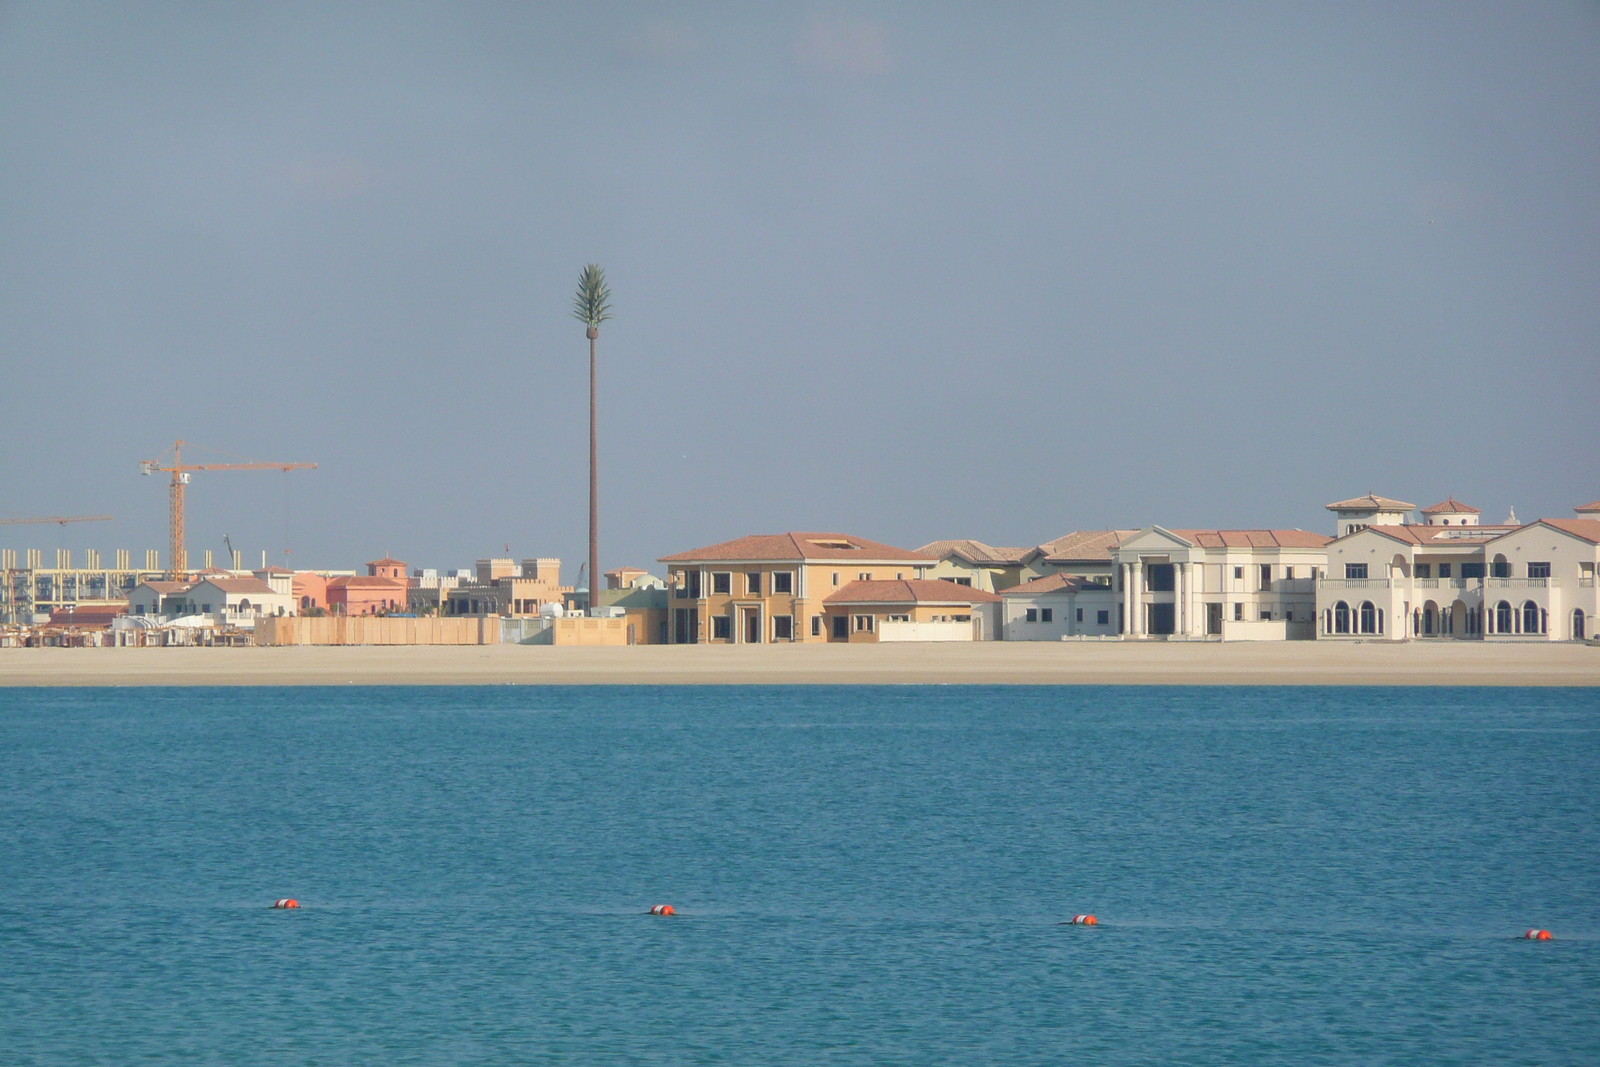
(1110, 663)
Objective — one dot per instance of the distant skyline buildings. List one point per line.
(908, 273)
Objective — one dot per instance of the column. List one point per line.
(1136, 619)
(1182, 610)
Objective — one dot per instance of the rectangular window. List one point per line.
(1238, 613)
(752, 583)
(1103, 617)
(1444, 570)
(721, 627)
(961, 581)
(721, 583)
(1355, 570)
(1080, 614)
(1047, 614)
(1288, 573)
(1288, 616)
(1030, 615)
(1472, 570)
(1266, 576)
(816, 626)
(783, 627)
(864, 576)
(1238, 574)
(1501, 569)
(897, 618)
(863, 624)
(835, 577)
(1538, 570)
(1424, 570)
(1266, 614)
(961, 618)
(783, 583)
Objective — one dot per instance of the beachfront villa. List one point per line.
(775, 587)
(1081, 554)
(1249, 585)
(1454, 578)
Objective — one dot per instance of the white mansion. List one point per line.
(1381, 577)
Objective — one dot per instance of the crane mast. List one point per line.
(177, 556)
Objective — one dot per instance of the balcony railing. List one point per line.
(1523, 583)
(1586, 582)
(1354, 583)
(1426, 583)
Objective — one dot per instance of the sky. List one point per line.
(910, 272)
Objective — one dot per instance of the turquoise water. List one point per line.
(864, 876)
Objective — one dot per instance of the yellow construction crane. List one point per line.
(62, 519)
(177, 558)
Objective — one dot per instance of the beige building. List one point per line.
(1371, 510)
(502, 587)
(772, 587)
(870, 611)
(1463, 581)
(1059, 606)
(1083, 553)
(1252, 585)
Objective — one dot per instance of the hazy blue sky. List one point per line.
(909, 271)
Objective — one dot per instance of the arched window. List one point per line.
(1369, 618)
(1341, 618)
(1577, 624)
(305, 602)
(1530, 618)
(1500, 568)
(1427, 619)
(1502, 618)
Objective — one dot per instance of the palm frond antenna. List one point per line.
(592, 303)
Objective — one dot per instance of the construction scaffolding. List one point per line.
(35, 589)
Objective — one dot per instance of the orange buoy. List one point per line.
(1537, 935)
(662, 909)
(1084, 920)
(287, 902)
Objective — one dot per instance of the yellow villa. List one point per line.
(772, 587)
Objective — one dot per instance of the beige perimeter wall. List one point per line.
(369, 630)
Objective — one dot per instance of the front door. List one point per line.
(1161, 618)
(752, 626)
(1214, 620)
(841, 628)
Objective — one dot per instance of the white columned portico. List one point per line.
(1182, 610)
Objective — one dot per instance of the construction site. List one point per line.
(56, 598)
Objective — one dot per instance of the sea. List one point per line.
(860, 875)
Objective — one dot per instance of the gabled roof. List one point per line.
(1591, 508)
(1451, 506)
(1053, 583)
(387, 561)
(1084, 546)
(978, 553)
(1253, 538)
(916, 591)
(168, 588)
(1369, 503)
(797, 547)
(240, 585)
(272, 570)
(1584, 529)
(1438, 535)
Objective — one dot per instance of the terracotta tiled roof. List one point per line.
(1440, 535)
(1451, 506)
(169, 588)
(977, 552)
(273, 570)
(1591, 508)
(387, 561)
(916, 591)
(1587, 529)
(240, 585)
(1253, 538)
(1052, 583)
(793, 547)
(1370, 503)
(89, 614)
(1084, 546)
(367, 581)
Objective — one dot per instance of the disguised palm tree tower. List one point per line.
(592, 306)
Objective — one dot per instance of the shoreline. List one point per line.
(988, 663)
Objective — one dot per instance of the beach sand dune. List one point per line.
(1101, 663)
